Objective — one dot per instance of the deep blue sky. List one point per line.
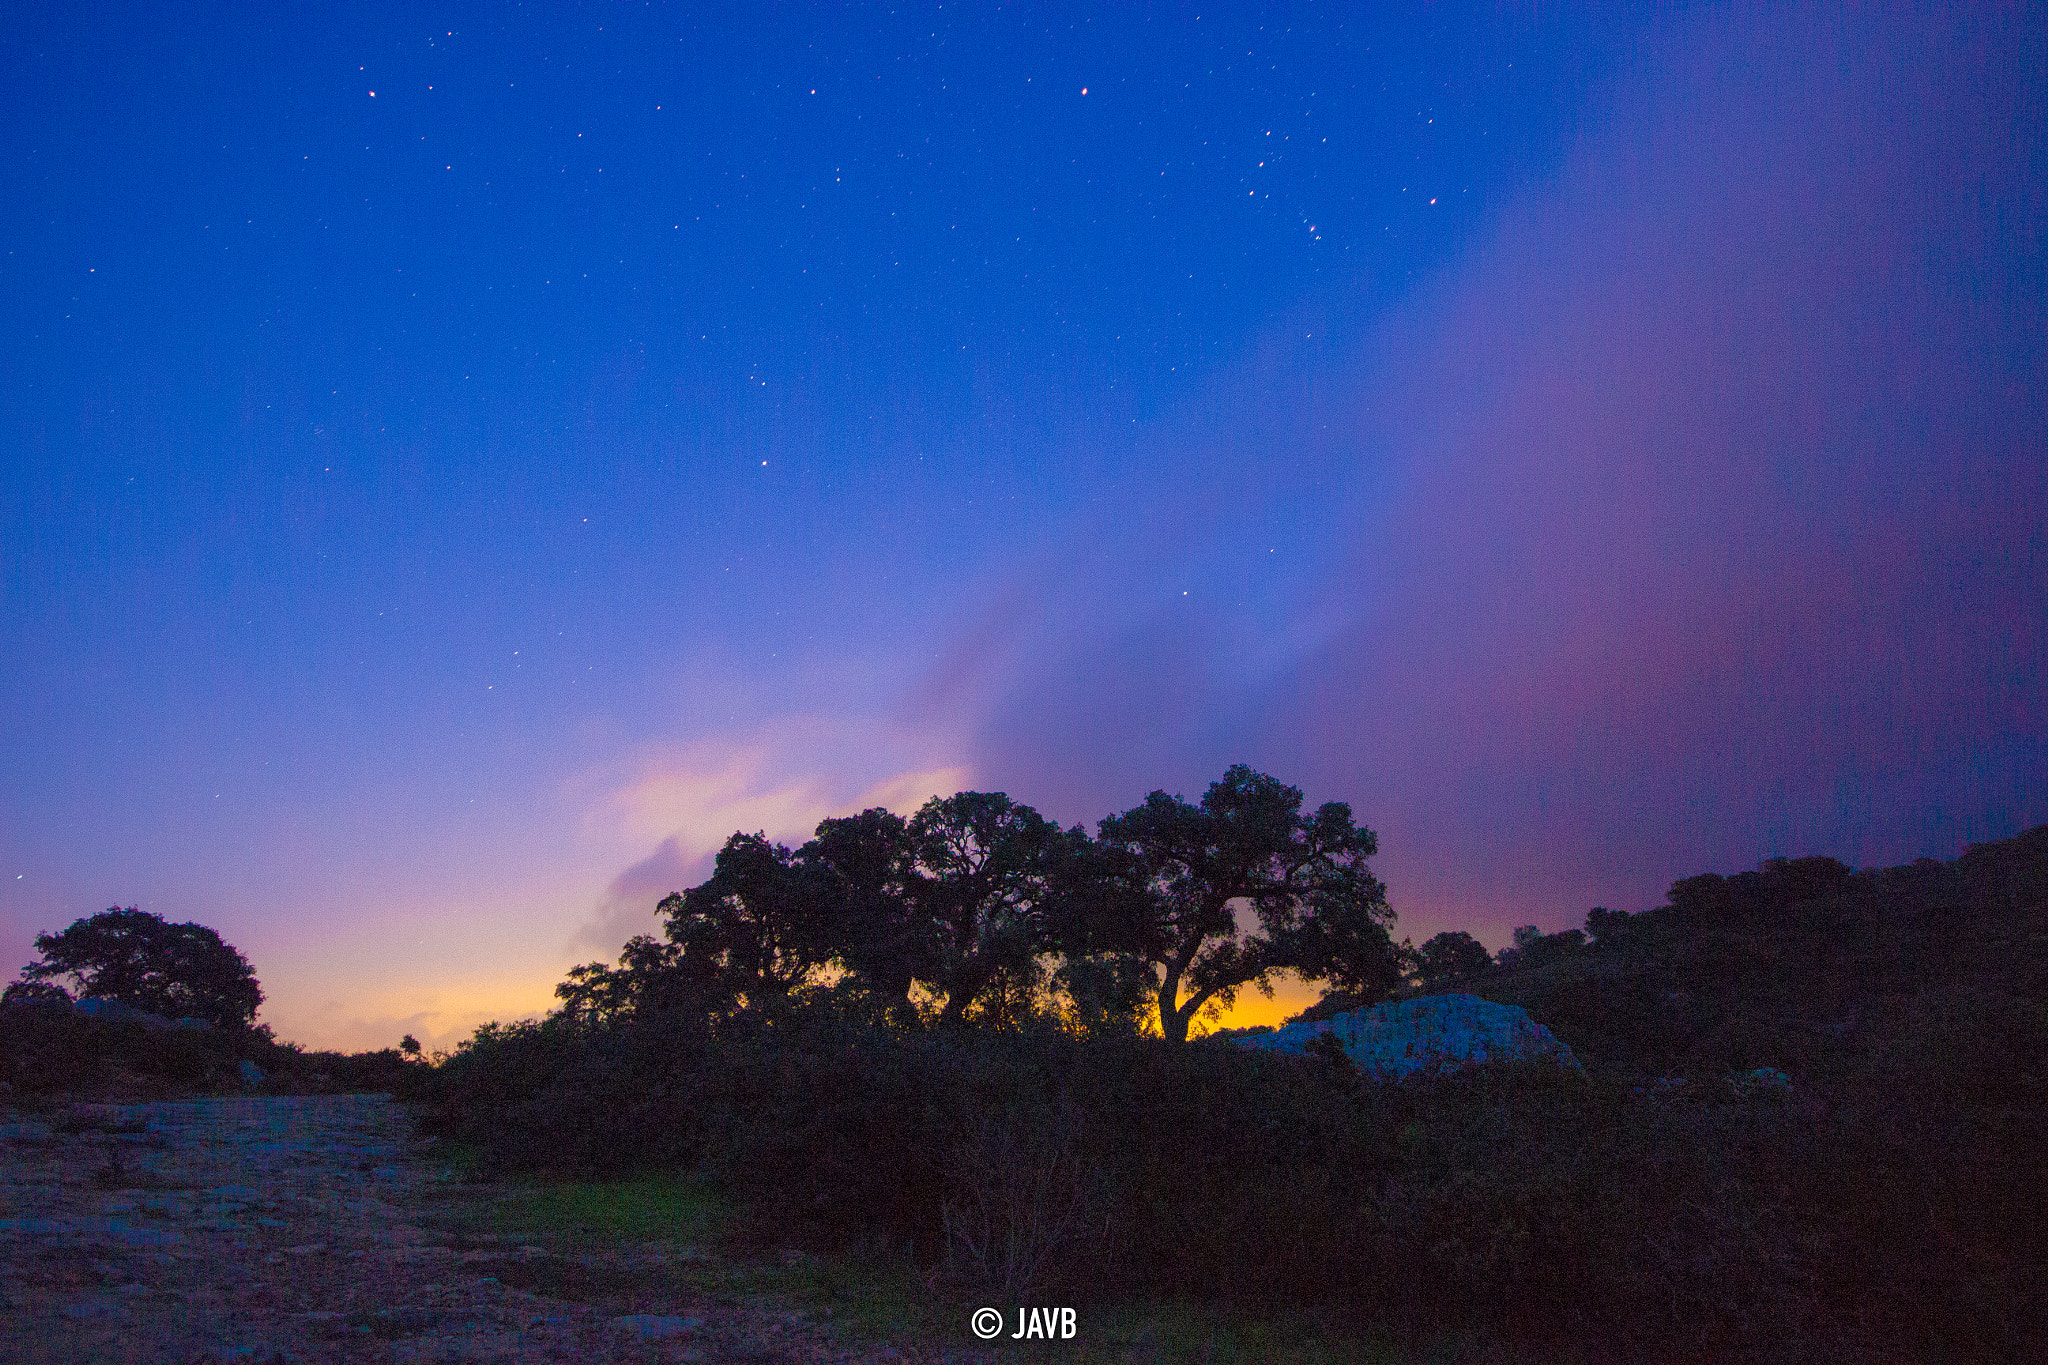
(1602, 445)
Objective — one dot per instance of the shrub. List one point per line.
(561, 1094)
(48, 1051)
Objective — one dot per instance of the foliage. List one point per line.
(758, 932)
(1532, 947)
(1450, 957)
(984, 865)
(885, 936)
(979, 912)
(1099, 1169)
(648, 980)
(47, 1053)
(1319, 910)
(44, 993)
(133, 957)
(566, 1093)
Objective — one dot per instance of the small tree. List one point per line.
(132, 957)
(41, 993)
(648, 979)
(1451, 956)
(1608, 928)
(1533, 947)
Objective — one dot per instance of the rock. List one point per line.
(40, 1226)
(1430, 1035)
(654, 1325)
(1765, 1080)
(114, 1012)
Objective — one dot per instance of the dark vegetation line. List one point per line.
(929, 1038)
(979, 913)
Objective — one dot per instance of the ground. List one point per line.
(318, 1229)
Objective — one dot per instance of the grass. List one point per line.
(872, 1295)
(597, 1215)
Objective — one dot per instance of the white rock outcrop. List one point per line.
(1430, 1035)
(114, 1012)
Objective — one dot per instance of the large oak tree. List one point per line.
(178, 971)
(1186, 870)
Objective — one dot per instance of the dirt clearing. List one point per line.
(315, 1229)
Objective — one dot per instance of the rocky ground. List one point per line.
(312, 1230)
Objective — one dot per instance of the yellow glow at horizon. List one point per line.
(439, 1018)
(1252, 1008)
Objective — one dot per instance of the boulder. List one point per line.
(1765, 1080)
(653, 1326)
(1430, 1035)
(114, 1012)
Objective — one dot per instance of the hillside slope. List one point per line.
(1807, 966)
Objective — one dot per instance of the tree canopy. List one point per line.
(977, 910)
(759, 924)
(984, 868)
(883, 930)
(1320, 911)
(1451, 956)
(179, 971)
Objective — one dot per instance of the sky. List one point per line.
(460, 463)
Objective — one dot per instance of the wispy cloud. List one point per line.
(682, 802)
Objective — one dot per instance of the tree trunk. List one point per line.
(1173, 1023)
(967, 983)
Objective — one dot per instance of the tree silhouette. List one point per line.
(1321, 912)
(648, 979)
(880, 923)
(1607, 928)
(1451, 956)
(758, 930)
(984, 869)
(132, 957)
(44, 993)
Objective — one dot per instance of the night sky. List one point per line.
(459, 464)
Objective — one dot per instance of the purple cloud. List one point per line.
(1694, 515)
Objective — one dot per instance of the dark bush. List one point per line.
(48, 1050)
(360, 1073)
(1092, 1167)
(1696, 1217)
(566, 1095)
